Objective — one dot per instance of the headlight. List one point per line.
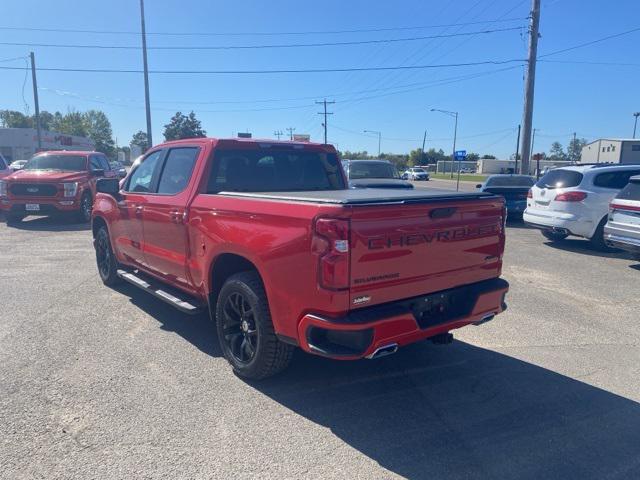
(70, 189)
(3, 188)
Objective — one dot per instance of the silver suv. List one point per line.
(623, 226)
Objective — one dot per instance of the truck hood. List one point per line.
(35, 176)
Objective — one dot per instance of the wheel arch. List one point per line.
(222, 267)
(97, 223)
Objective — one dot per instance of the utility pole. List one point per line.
(290, 130)
(424, 140)
(147, 103)
(530, 80)
(635, 125)
(325, 113)
(515, 170)
(278, 133)
(35, 99)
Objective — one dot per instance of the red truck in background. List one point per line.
(53, 183)
(267, 237)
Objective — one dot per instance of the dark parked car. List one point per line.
(373, 174)
(514, 189)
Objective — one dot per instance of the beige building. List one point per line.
(611, 150)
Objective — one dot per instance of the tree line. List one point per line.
(95, 124)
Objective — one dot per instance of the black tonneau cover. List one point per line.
(364, 196)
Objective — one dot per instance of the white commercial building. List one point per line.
(22, 143)
(611, 150)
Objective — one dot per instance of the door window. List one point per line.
(177, 170)
(141, 180)
(104, 163)
(94, 163)
(614, 180)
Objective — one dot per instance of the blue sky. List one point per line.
(592, 100)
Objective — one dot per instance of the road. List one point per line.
(102, 383)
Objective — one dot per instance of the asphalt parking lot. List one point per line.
(102, 383)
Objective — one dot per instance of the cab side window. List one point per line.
(177, 170)
(141, 180)
(104, 163)
(94, 163)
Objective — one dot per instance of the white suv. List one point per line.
(575, 200)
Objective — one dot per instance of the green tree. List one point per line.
(491, 157)
(71, 123)
(556, 152)
(98, 128)
(14, 119)
(183, 126)
(472, 157)
(574, 150)
(46, 120)
(141, 140)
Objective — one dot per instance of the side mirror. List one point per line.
(479, 185)
(98, 172)
(108, 186)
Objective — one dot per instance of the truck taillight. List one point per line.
(331, 244)
(571, 197)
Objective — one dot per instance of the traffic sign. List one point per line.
(460, 155)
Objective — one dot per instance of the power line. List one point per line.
(254, 47)
(276, 71)
(580, 62)
(592, 42)
(228, 34)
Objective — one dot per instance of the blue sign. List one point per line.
(460, 155)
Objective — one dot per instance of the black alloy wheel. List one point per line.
(239, 328)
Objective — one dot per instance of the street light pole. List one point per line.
(379, 138)
(635, 124)
(455, 135)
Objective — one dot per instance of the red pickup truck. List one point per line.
(53, 183)
(267, 237)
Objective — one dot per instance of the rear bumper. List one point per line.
(623, 242)
(363, 331)
(550, 220)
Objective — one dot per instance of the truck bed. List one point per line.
(368, 196)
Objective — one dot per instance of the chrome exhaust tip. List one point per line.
(383, 351)
(485, 319)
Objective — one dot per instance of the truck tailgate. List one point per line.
(413, 249)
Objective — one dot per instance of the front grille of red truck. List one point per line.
(34, 189)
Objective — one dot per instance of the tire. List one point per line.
(245, 330)
(554, 236)
(86, 205)
(597, 241)
(105, 259)
(13, 218)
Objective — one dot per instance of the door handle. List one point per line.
(139, 209)
(177, 216)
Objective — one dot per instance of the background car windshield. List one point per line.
(372, 170)
(510, 181)
(560, 179)
(275, 171)
(71, 163)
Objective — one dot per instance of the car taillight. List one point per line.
(530, 194)
(571, 197)
(331, 244)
